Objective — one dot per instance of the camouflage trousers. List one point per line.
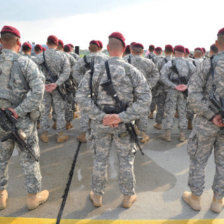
(142, 123)
(205, 138)
(30, 167)
(101, 144)
(53, 100)
(69, 108)
(160, 100)
(175, 99)
(84, 121)
(153, 103)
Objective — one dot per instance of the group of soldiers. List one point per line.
(116, 94)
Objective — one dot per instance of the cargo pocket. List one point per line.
(192, 146)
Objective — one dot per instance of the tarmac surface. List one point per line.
(161, 178)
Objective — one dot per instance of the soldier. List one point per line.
(21, 91)
(213, 50)
(60, 46)
(198, 56)
(132, 88)
(160, 95)
(55, 64)
(78, 72)
(175, 75)
(38, 49)
(76, 56)
(127, 51)
(207, 133)
(151, 54)
(26, 49)
(151, 73)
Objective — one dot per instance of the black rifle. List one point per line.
(179, 80)
(8, 124)
(120, 106)
(53, 79)
(71, 172)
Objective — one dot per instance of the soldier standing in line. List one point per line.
(38, 49)
(198, 56)
(21, 91)
(55, 64)
(82, 66)
(131, 87)
(207, 134)
(74, 55)
(26, 49)
(151, 54)
(213, 50)
(151, 73)
(175, 75)
(160, 95)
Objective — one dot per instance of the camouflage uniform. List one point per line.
(78, 73)
(160, 95)
(74, 55)
(23, 92)
(175, 99)
(131, 87)
(151, 73)
(205, 135)
(59, 65)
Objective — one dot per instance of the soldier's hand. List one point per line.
(181, 87)
(217, 120)
(14, 113)
(111, 120)
(50, 87)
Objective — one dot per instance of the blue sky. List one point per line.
(192, 23)
(21, 10)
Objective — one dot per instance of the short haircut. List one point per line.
(115, 44)
(8, 37)
(51, 42)
(213, 48)
(37, 48)
(221, 38)
(25, 48)
(151, 48)
(137, 50)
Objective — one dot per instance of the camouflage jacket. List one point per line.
(22, 84)
(200, 86)
(74, 55)
(129, 83)
(147, 67)
(184, 67)
(57, 62)
(81, 67)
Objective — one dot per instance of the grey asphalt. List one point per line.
(161, 177)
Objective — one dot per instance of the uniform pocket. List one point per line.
(192, 146)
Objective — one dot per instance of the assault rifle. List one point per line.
(8, 124)
(120, 107)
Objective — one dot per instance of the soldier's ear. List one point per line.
(108, 48)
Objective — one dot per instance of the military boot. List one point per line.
(3, 199)
(157, 126)
(76, 115)
(192, 200)
(182, 137)
(151, 115)
(167, 136)
(62, 137)
(82, 137)
(144, 137)
(96, 199)
(44, 137)
(34, 200)
(217, 205)
(69, 125)
(189, 127)
(129, 200)
(54, 126)
(38, 124)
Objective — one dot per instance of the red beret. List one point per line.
(187, 51)
(71, 45)
(95, 42)
(28, 45)
(38, 46)
(203, 49)
(53, 38)
(221, 32)
(198, 49)
(118, 36)
(179, 48)
(100, 43)
(169, 47)
(67, 48)
(10, 29)
(133, 43)
(61, 43)
(158, 49)
(151, 46)
(138, 45)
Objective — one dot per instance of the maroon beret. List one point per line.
(71, 45)
(187, 51)
(10, 29)
(60, 42)
(138, 45)
(169, 47)
(152, 46)
(158, 49)
(38, 46)
(118, 36)
(53, 38)
(67, 48)
(95, 42)
(198, 49)
(203, 49)
(27, 45)
(100, 43)
(221, 32)
(179, 48)
(133, 43)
